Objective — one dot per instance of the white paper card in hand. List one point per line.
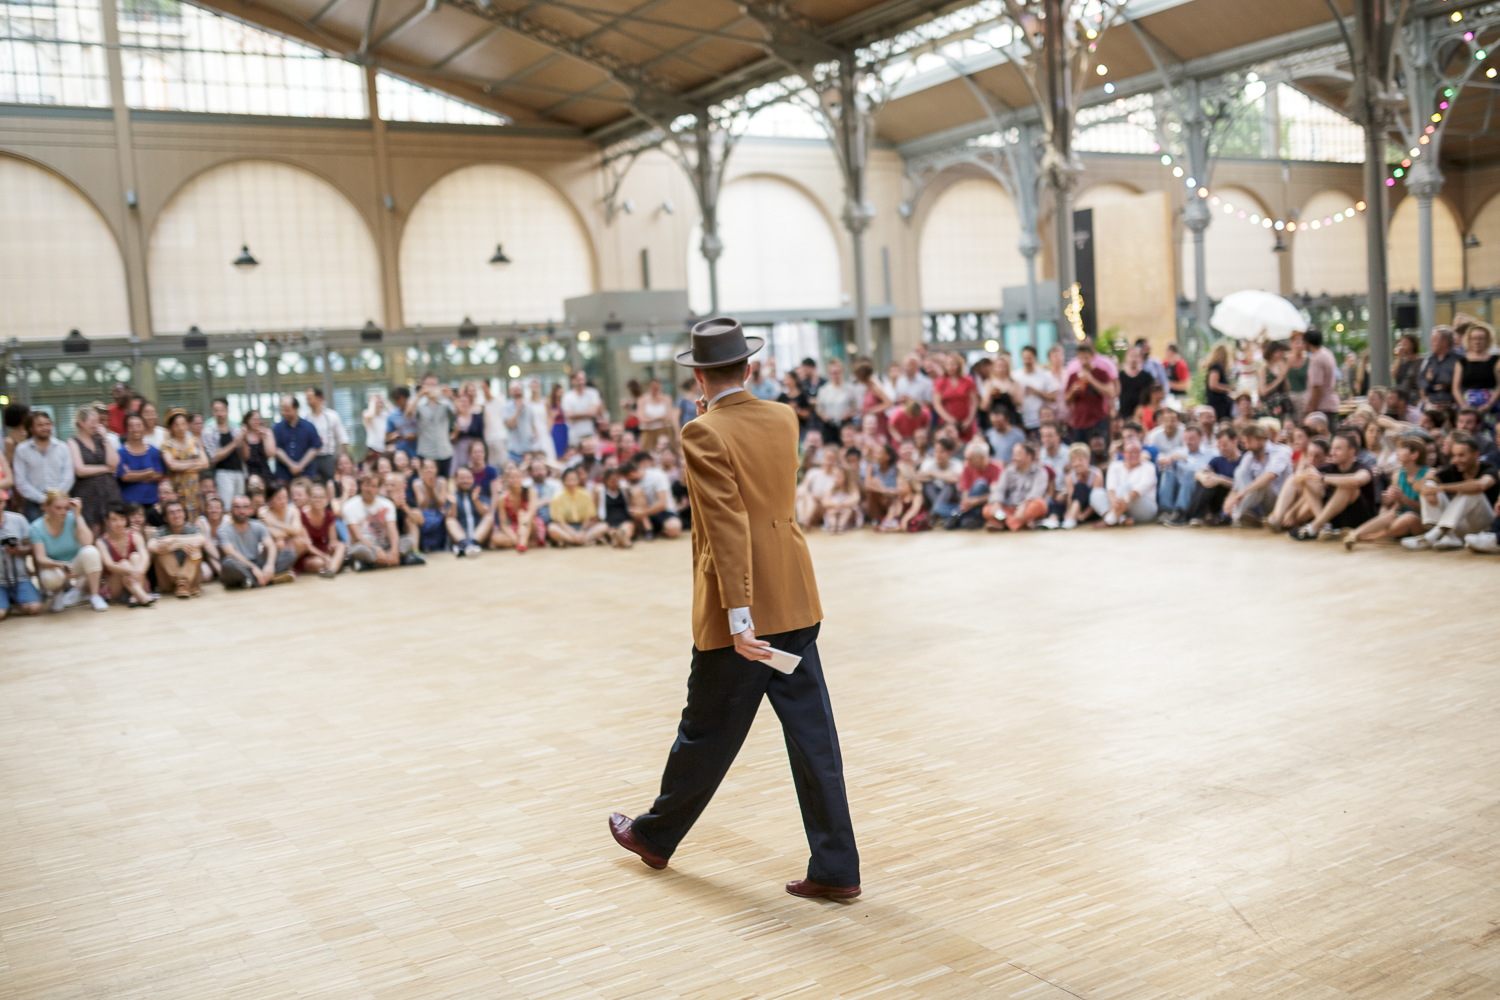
(785, 662)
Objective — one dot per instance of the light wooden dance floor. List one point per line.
(1097, 765)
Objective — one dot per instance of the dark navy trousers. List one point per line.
(724, 693)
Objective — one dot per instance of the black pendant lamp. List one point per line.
(246, 259)
(499, 257)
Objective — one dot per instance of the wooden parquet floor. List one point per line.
(1096, 765)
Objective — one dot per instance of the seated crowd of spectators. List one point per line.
(128, 508)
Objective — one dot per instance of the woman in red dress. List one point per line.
(325, 552)
(955, 397)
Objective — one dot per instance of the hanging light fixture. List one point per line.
(1280, 246)
(499, 257)
(245, 260)
(1471, 242)
(194, 340)
(370, 333)
(467, 330)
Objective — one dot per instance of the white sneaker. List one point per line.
(1111, 519)
(1416, 543)
(1484, 541)
(99, 603)
(474, 551)
(1448, 543)
(1051, 523)
(68, 598)
(1329, 534)
(1433, 535)
(1069, 524)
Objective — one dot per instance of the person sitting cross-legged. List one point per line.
(62, 547)
(325, 551)
(18, 595)
(612, 496)
(975, 483)
(177, 550)
(514, 512)
(125, 559)
(1019, 497)
(374, 540)
(1401, 515)
(1215, 481)
(1131, 486)
(248, 556)
(1340, 492)
(650, 494)
(1178, 472)
(1292, 506)
(467, 515)
(1263, 469)
(1457, 500)
(574, 519)
(1081, 495)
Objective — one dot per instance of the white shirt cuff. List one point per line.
(739, 620)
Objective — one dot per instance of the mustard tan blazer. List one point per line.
(741, 460)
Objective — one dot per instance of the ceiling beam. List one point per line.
(402, 23)
(1217, 64)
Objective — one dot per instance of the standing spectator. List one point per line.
(1088, 394)
(257, 448)
(913, 383)
(1478, 372)
(496, 430)
(521, 431)
(1341, 492)
(1179, 379)
(297, 441)
(468, 426)
(1038, 388)
(95, 464)
(62, 548)
(1258, 478)
(467, 516)
(16, 424)
(333, 437)
(401, 424)
(184, 458)
(955, 397)
(177, 549)
(793, 396)
(17, 593)
(140, 467)
(1216, 382)
(654, 411)
(1178, 474)
(1134, 383)
(1322, 378)
(1057, 360)
(1406, 366)
(1275, 398)
(1458, 500)
(575, 520)
(581, 407)
(1436, 378)
(376, 420)
(124, 560)
(998, 388)
(761, 387)
(41, 464)
(247, 555)
(1019, 497)
(836, 402)
(1152, 366)
(122, 404)
(222, 443)
(687, 407)
(874, 400)
(808, 377)
(433, 411)
(155, 434)
(1131, 486)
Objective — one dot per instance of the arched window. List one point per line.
(1405, 248)
(1237, 250)
(452, 234)
(317, 263)
(779, 251)
(60, 267)
(968, 250)
(1330, 258)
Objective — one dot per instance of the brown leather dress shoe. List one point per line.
(619, 828)
(808, 889)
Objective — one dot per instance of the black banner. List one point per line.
(1083, 267)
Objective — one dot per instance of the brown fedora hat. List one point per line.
(720, 341)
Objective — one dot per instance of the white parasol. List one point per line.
(1248, 314)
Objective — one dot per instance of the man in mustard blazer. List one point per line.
(753, 590)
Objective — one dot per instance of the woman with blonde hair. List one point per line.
(95, 463)
(1476, 377)
(1216, 386)
(62, 547)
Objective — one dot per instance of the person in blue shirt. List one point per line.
(141, 465)
(761, 387)
(297, 441)
(1214, 482)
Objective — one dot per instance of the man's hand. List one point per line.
(750, 647)
(702, 404)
